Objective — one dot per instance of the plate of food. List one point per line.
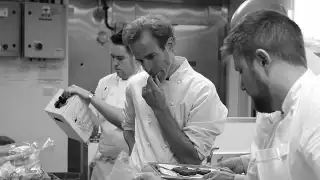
(180, 171)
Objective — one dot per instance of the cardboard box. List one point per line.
(74, 117)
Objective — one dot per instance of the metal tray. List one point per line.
(155, 166)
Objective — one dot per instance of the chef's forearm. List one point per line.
(111, 113)
(129, 138)
(179, 142)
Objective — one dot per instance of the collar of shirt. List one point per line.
(274, 117)
(118, 79)
(184, 67)
(293, 93)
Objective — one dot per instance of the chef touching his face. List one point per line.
(173, 113)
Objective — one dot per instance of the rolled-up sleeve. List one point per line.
(206, 120)
(128, 111)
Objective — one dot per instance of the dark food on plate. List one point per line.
(202, 171)
(184, 171)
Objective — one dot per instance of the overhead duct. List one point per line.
(106, 7)
(180, 12)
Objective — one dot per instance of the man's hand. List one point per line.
(220, 175)
(75, 90)
(153, 95)
(234, 163)
(179, 142)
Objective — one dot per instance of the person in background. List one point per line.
(107, 103)
(264, 122)
(268, 52)
(173, 114)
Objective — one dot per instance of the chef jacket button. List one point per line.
(166, 144)
(149, 144)
(171, 103)
(178, 82)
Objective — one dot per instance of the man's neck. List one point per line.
(176, 63)
(136, 70)
(283, 83)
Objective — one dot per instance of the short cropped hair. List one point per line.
(269, 30)
(248, 7)
(116, 39)
(159, 26)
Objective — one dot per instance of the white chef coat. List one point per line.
(298, 128)
(193, 102)
(111, 89)
(264, 124)
(265, 121)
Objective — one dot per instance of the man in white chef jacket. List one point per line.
(268, 52)
(107, 103)
(246, 163)
(173, 114)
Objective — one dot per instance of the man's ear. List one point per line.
(170, 44)
(263, 58)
